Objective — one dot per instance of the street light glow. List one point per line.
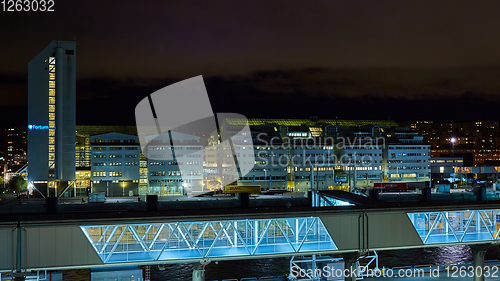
(453, 140)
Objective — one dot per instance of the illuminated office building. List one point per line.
(51, 118)
(115, 160)
(83, 134)
(15, 147)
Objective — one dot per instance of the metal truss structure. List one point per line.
(457, 226)
(255, 238)
(186, 241)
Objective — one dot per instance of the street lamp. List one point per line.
(453, 140)
(265, 175)
(123, 188)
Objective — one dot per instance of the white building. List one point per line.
(181, 171)
(115, 162)
(409, 162)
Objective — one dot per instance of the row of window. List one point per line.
(156, 156)
(393, 155)
(407, 161)
(116, 164)
(175, 148)
(103, 174)
(165, 181)
(114, 148)
(365, 154)
(408, 147)
(114, 156)
(408, 168)
(276, 178)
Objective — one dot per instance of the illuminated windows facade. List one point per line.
(52, 113)
(52, 117)
(115, 164)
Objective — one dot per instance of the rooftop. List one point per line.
(299, 122)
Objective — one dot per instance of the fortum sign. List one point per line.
(37, 127)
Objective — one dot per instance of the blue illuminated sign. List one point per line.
(38, 127)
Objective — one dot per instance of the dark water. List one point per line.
(280, 266)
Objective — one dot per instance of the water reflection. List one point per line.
(280, 266)
(435, 256)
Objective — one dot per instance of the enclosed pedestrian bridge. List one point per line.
(83, 240)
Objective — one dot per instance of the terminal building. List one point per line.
(51, 119)
(290, 154)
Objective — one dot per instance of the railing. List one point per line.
(322, 200)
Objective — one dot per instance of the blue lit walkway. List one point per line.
(215, 239)
(108, 242)
(183, 241)
(457, 226)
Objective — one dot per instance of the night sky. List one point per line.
(403, 60)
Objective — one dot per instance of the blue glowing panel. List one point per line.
(38, 127)
(450, 227)
(215, 239)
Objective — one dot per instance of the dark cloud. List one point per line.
(188, 38)
(409, 83)
(352, 59)
(301, 93)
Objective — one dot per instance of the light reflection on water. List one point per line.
(226, 269)
(434, 256)
(280, 266)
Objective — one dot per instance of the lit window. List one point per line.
(52, 140)
(52, 76)
(52, 148)
(52, 84)
(52, 100)
(52, 116)
(52, 124)
(52, 108)
(52, 132)
(52, 92)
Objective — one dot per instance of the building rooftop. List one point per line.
(300, 122)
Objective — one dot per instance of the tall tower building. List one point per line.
(51, 118)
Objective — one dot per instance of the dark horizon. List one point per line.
(363, 60)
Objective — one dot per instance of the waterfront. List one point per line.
(279, 266)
